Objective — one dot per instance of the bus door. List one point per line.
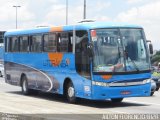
(81, 56)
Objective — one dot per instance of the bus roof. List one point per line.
(79, 26)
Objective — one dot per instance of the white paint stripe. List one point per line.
(44, 75)
(41, 73)
(48, 79)
(138, 102)
(115, 111)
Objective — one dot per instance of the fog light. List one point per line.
(87, 88)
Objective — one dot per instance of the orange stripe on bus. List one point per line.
(56, 29)
(106, 77)
(55, 58)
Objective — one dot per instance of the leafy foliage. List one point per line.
(156, 58)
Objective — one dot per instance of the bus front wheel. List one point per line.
(70, 93)
(117, 100)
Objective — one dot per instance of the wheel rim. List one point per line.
(70, 91)
(24, 86)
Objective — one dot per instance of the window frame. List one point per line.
(28, 49)
(43, 41)
(9, 45)
(30, 42)
(12, 46)
(58, 45)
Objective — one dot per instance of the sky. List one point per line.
(32, 13)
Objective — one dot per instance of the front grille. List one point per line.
(120, 84)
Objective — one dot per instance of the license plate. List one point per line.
(125, 92)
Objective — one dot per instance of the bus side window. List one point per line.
(70, 42)
(45, 42)
(15, 44)
(62, 43)
(50, 44)
(12, 44)
(8, 44)
(24, 44)
(36, 43)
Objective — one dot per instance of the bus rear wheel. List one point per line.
(157, 89)
(25, 89)
(116, 100)
(70, 93)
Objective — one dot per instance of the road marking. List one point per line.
(118, 112)
(138, 102)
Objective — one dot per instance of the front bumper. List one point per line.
(104, 92)
(157, 81)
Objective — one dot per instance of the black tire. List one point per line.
(157, 88)
(70, 93)
(1, 74)
(25, 89)
(151, 93)
(116, 100)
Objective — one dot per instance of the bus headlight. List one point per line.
(146, 81)
(100, 84)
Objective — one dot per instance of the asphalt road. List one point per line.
(45, 105)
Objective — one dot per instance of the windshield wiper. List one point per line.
(136, 67)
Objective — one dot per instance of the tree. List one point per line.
(156, 58)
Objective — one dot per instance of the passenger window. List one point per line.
(1, 36)
(63, 40)
(50, 43)
(36, 43)
(14, 44)
(24, 44)
(70, 42)
(7, 45)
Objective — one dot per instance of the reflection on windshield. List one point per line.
(134, 46)
(119, 50)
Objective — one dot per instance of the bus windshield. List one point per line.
(119, 50)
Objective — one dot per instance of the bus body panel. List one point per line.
(38, 67)
(48, 71)
(41, 73)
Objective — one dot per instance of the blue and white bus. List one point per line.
(93, 60)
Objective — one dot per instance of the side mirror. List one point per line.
(151, 48)
(90, 50)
